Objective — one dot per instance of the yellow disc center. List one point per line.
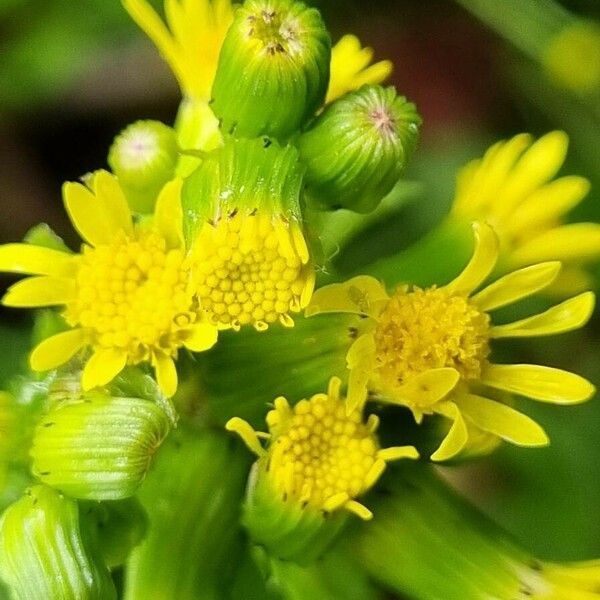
(429, 329)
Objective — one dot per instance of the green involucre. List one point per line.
(356, 150)
(45, 553)
(276, 57)
(99, 448)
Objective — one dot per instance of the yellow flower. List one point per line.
(318, 454)
(351, 68)
(126, 295)
(251, 268)
(428, 349)
(512, 188)
(192, 41)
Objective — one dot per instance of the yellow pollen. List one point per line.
(429, 329)
(320, 453)
(131, 295)
(249, 270)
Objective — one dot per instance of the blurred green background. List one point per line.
(72, 74)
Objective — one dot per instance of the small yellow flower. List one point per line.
(126, 295)
(351, 68)
(512, 188)
(251, 268)
(318, 454)
(428, 349)
(192, 41)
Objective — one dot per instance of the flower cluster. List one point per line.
(201, 260)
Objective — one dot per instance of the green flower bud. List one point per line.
(143, 157)
(99, 448)
(118, 527)
(276, 57)
(45, 553)
(355, 151)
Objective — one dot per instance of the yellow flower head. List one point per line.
(126, 295)
(250, 264)
(429, 349)
(351, 68)
(318, 454)
(192, 41)
(251, 269)
(512, 188)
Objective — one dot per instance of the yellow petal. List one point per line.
(566, 316)
(36, 260)
(102, 367)
(457, 436)
(548, 203)
(537, 166)
(109, 193)
(501, 420)
(40, 291)
(56, 350)
(362, 352)
(202, 336)
(578, 241)
(166, 374)
(360, 510)
(546, 384)
(516, 285)
(168, 214)
(429, 387)
(361, 295)
(356, 397)
(482, 262)
(90, 214)
(247, 433)
(398, 452)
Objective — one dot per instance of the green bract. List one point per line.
(46, 554)
(356, 150)
(276, 57)
(99, 448)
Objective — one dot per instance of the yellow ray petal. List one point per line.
(548, 203)
(429, 387)
(537, 166)
(358, 381)
(89, 214)
(360, 510)
(36, 260)
(516, 285)
(457, 436)
(585, 575)
(168, 214)
(485, 255)
(501, 420)
(361, 295)
(546, 384)
(166, 374)
(578, 241)
(40, 291)
(111, 196)
(102, 367)
(202, 336)
(566, 316)
(398, 452)
(247, 433)
(56, 350)
(362, 352)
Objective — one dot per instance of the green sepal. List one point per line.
(243, 175)
(118, 527)
(192, 497)
(143, 157)
(46, 553)
(99, 447)
(356, 149)
(276, 57)
(288, 529)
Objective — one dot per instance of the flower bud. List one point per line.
(99, 448)
(276, 57)
(46, 553)
(356, 150)
(143, 157)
